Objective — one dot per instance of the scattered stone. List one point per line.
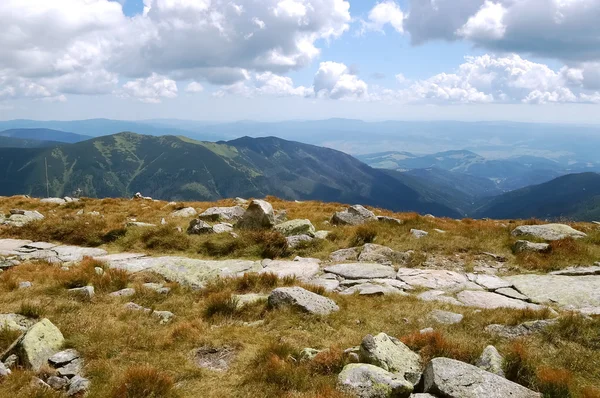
(54, 201)
(354, 215)
(302, 299)
(25, 285)
(548, 231)
(163, 221)
(280, 216)
(428, 216)
(73, 368)
(361, 271)
(296, 227)
(389, 220)
(321, 234)
(490, 282)
(184, 213)
(512, 293)
(138, 195)
(63, 357)
(524, 246)
(308, 354)
(215, 358)
(127, 292)
(433, 279)
(57, 383)
(426, 331)
(491, 361)
(4, 371)
(11, 361)
(439, 231)
(85, 293)
(138, 224)
(372, 253)
(389, 354)
(328, 284)
(222, 228)
(164, 316)
(368, 381)
(578, 271)
(371, 289)
(216, 214)
(350, 254)
(199, 227)
(297, 240)
(36, 382)
(301, 268)
(523, 329)
(156, 287)
(454, 379)
(417, 233)
(438, 295)
(99, 271)
(445, 317)
(240, 201)
(250, 298)
(489, 300)
(258, 215)
(78, 385)
(40, 342)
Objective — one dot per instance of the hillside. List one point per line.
(44, 134)
(11, 142)
(176, 168)
(574, 196)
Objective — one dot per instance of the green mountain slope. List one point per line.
(574, 196)
(43, 134)
(11, 142)
(177, 168)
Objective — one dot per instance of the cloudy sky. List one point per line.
(536, 60)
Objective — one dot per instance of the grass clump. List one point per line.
(221, 304)
(7, 337)
(144, 382)
(80, 231)
(364, 234)
(31, 310)
(165, 238)
(436, 344)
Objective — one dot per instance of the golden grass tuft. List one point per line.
(144, 382)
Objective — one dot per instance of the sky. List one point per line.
(225, 60)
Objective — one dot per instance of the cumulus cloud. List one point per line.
(194, 87)
(487, 24)
(386, 12)
(151, 90)
(334, 80)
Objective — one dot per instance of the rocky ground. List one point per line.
(272, 298)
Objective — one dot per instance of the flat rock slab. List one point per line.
(372, 289)
(439, 296)
(215, 358)
(76, 253)
(434, 279)
(512, 293)
(362, 271)
(119, 257)
(12, 244)
(303, 269)
(523, 329)
(548, 231)
(489, 300)
(490, 282)
(567, 291)
(40, 245)
(454, 379)
(578, 271)
(328, 284)
(445, 317)
(302, 299)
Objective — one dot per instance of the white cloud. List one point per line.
(386, 12)
(151, 90)
(194, 87)
(334, 80)
(487, 24)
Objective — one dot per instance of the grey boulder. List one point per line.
(389, 354)
(354, 215)
(524, 246)
(296, 227)
(491, 361)
(369, 381)
(258, 215)
(548, 231)
(222, 214)
(302, 299)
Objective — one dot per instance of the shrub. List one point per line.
(363, 234)
(222, 304)
(518, 364)
(114, 234)
(275, 365)
(31, 310)
(435, 344)
(590, 392)
(554, 383)
(80, 231)
(220, 246)
(328, 362)
(144, 382)
(267, 244)
(165, 237)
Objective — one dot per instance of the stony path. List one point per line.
(577, 289)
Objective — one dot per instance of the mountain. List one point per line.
(507, 174)
(178, 168)
(573, 196)
(11, 142)
(43, 134)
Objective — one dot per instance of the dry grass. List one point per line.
(144, 382)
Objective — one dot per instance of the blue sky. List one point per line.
(533, 60)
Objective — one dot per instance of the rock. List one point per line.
(426, 331)
(184, 213)
(389, 220)
(445, 317)
(54, 201)
(297, 240)
(490, 282)
(15, 322)
(240, 201)
(127, 292)
(512, 293)
(566, 291)
(57, 383)
(361, 271)
(199, 227)
(304, 269)
(491, 361)
(25, 285)
(328, 284)
(439, 231)
(63, 357)
(372, 253)
(354, 215)
(156, 287)
(417, 233)
(40, 245)
(250, 298)
(280, 216)
(11, 361)
(578, 271)
(258, 215)
(76, 253)
(39, 343)
(138, 195)
(73, 368)
(99, 271)
(4, 371)
(429, 216)
(389, 354)
(11, 245)
(524, 246)
(85, 293)
(523, 329)
(137, 224)
(433, 279)
(368, 381)
(500, 259)
(308, 354)
(216, 214)
(302, 299)
(222, 228)
(489, 300)
(38, 383)
(78, 385)
(454, 379)
(296, 227)
(163, 221)
(214, 358)
(371, 289)
(18, 218)
(438, 295)
(350, 254)
(548, 231)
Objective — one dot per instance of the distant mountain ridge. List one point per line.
(44, 134)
